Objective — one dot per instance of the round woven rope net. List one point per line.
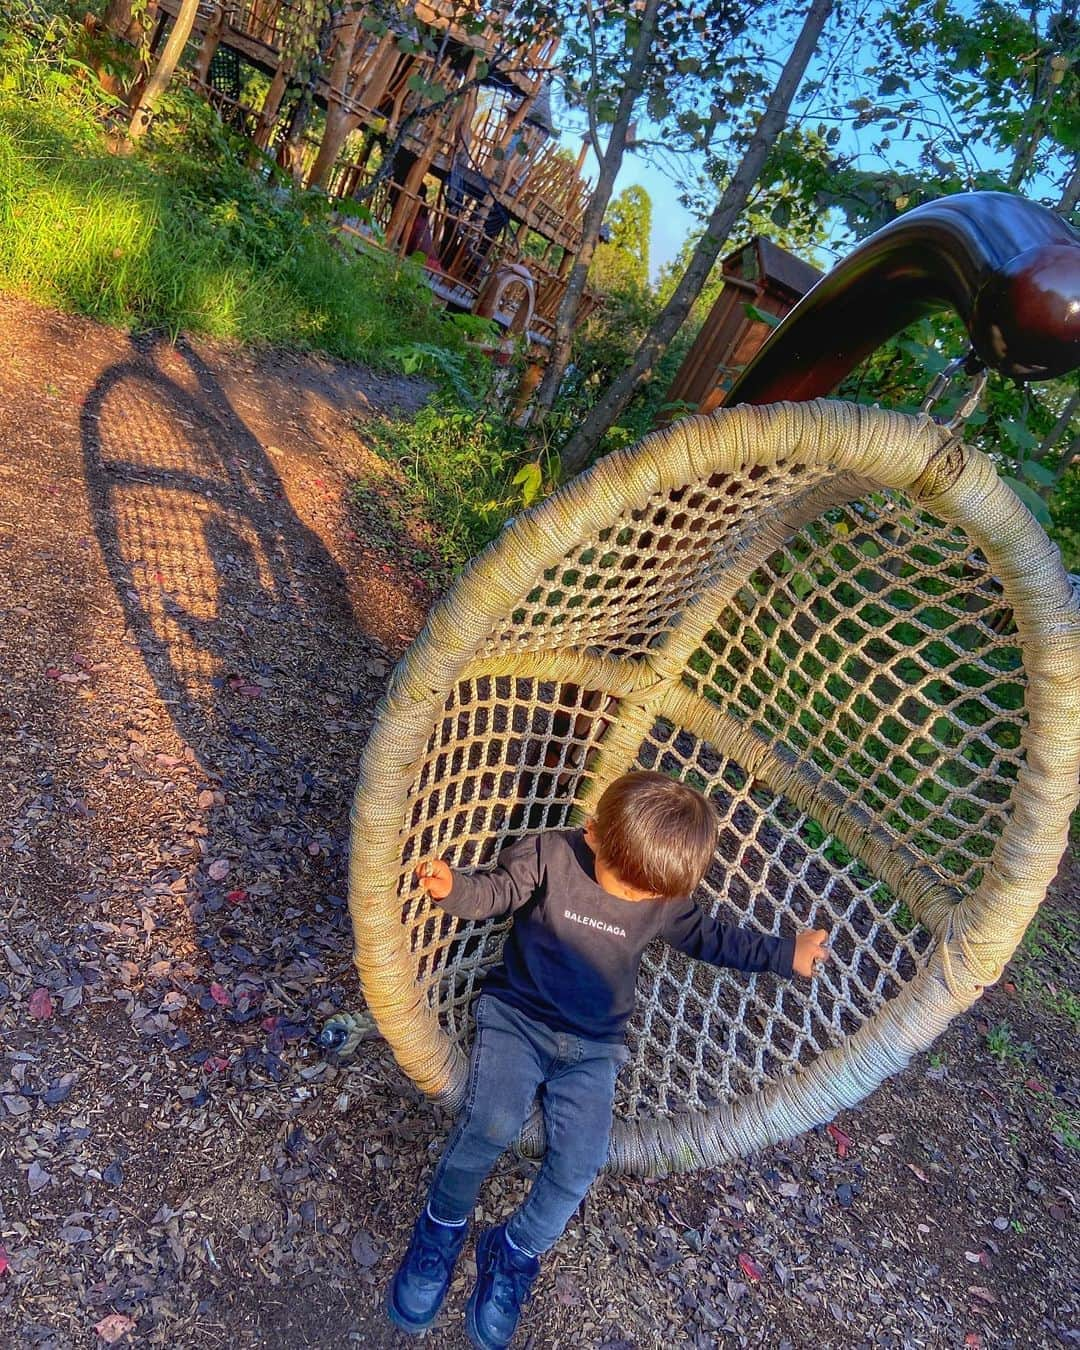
(844, 628)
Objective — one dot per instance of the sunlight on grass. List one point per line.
(182, 236)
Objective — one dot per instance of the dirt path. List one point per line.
(195, 632)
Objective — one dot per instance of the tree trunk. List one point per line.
(1068, 459)
(209, 45)
(610, 163)
(339, 125)
(272, 104)
(339, 120)
(163, 72)
(122, 23)
(1059, 428)
(1070, 193)
(291, 151)
(583, 443)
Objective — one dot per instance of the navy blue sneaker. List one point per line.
(504, 1276)
(420, 1283)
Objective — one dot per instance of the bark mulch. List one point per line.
(196, 627)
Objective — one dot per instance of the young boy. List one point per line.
(551, 1019)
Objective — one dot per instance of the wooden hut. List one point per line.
(760, 274)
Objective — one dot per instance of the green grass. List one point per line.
(1066, 1124)
(459, 467)
(181, 235)
(1000, 1043)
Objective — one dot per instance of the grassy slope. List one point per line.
(181, 236)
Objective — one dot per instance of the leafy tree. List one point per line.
(625, 59)
(762, 137)
(1008, 77)
(629, 219)
(620, 264)
(956, 97)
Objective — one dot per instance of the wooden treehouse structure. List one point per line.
(477, 185)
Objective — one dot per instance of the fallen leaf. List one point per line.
(221, 995)
(980, 1292)
(567, 1291)
(973, 1340)
(40, 1004)
(58, 1091)
(218, 869)
(843, 1141)
(37, 1178)
(364, 1251)
(237, 896)
(113, 1327)
(919, 1173)
(5, 1264)
(205, 800)
(749, 1268)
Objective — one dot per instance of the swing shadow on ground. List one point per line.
(243, 621)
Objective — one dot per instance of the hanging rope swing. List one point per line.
(841, 625)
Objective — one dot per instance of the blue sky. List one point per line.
(672, 222)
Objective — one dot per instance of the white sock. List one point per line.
(446, 1223)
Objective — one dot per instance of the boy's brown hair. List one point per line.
(657, 834)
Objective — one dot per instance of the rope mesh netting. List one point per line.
(848, 633)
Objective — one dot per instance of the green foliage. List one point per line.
(449, 367)
(1065, 517)
(629, 222)
(463, 473)
(1008, 76)
(1012, 426)
(1065, 1122)
(182, 235)
(696, 76)
(1000, 1043)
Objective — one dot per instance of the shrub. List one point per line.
(463, 474)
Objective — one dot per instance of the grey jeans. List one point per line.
(515, 1058)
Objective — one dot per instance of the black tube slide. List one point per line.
(1009, 268)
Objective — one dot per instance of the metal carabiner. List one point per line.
(944, 379)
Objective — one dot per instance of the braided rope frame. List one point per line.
(851, 449)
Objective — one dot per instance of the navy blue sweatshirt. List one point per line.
(571, 956)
